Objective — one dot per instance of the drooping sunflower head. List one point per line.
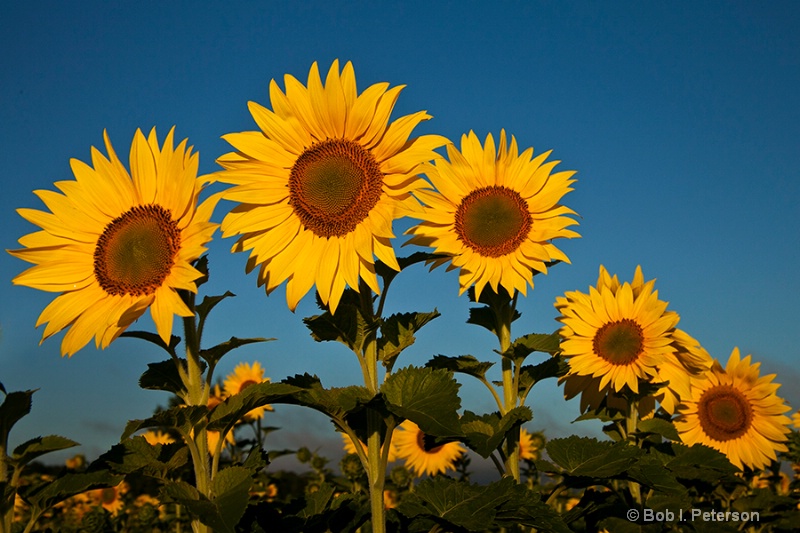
(244, 375)
(494, 213)
(320, 183)
(114, 243)
(421, 453)
(736, 412)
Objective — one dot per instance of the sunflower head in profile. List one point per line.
(619, 335)
(421, 453)
(320, 183)
(494, 213)
(114, 243)
(735, 411)
(349, 447)
(244, 375)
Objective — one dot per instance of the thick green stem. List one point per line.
(631, 425)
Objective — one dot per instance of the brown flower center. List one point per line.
(620, 342)
(427, 443)
(724, 412)
(136, 251)
(493, 221)
(333, 186)
(108, 495)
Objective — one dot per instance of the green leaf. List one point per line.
(317, 501)
(700, 462)
(388, 273)
(165, 376)
(659, 426)
(233, 409)
(183, 418)
(533, 342)
(155, 339)
(348, 326)
(232, 491)
(530, 375)
(137, 455)
(485, 433)
(583, 456)
(214, 354)
(526, 508)
(48, 494)
(29, 450)
(426, 396)
(397, 334)
(465, 364)
(209, 302)
(15, 406)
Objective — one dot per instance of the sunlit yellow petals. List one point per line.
(421, 453)
(479, 216)
(322, 182)
(86, 247)
(736, 412)
(622, 335)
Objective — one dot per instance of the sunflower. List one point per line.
(621, 334)
(110, 498)
(421, 453)
(494, 214)
(242, 377)
(216, 397)
(115, 243)
(349, 447)
(157, 437)
(530, 445)
(735, 411)
(321, 182)
(796, 420)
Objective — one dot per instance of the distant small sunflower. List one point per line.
(115, 243)
(111, 498)
(622, 333)
(530, 445)
(735, 411)
(350, 448)
(494, 213)
(157, 437)
(420, 452)
(214, 399)
(321, 183)
(243, 376)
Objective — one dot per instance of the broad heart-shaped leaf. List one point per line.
(427, 397)
(195, 503)
(465, 364)
(231, 493)
(485, 433)
(50, 493)
(33, 448)
(348, 326)
(137, 455)
(526, 508)
(451, 503)
(165, 376)
(183, 418)
(659, 426)
(588, 457)
(700, 462)
(215, 353)
(15, 406)
(233, 409)
(397, 334)
(534, 342)
(667, 492)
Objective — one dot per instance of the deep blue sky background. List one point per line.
(682, 120)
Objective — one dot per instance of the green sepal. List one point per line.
(33, 448)
(215, 353)
(589, 457)
(485, 433)
(464, 364)
(397, 334)
(428, 397)
(165, 376)
(183, 418)
(174, 340)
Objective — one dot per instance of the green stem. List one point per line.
(504, 315)
(631, 424)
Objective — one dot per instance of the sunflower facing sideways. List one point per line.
(421, 454)
(619, 334)
(321, 182)
(116, 243)
(735, 411)
(494, 213)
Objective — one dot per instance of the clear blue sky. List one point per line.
(682, 120)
